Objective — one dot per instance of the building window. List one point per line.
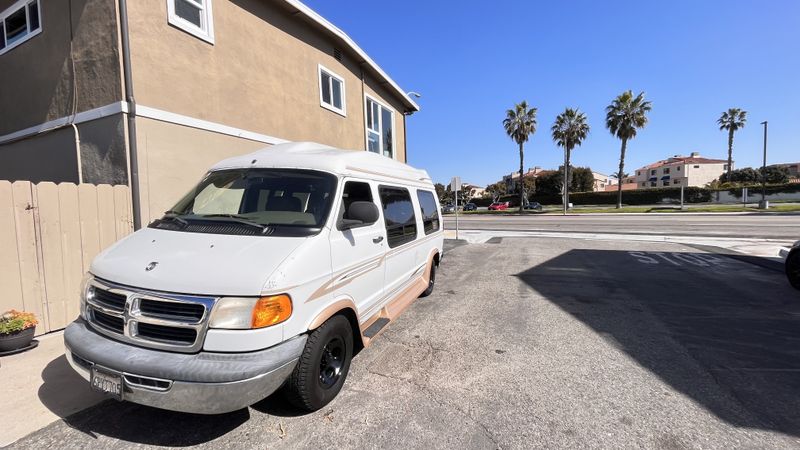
(380, 128)
(696, 167)
(676, 181)
(430, 214)
(643, 184)
(724, 167)
(331, 91)
(193, 17)
(678, 168)
(653, 184)
(19, 23)
(638, 174)
(666, 170)
(398, 215)
(653, 172)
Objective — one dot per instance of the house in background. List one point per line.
(628, 184)
(472, 190)
(692, 170)
(600, 181)
(152, 92)
(512, 179)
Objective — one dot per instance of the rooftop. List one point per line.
(313, 156)
(694, 158)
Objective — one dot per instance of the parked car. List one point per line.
(470, 207)
(269, 273)
(792, 265)
(498, 206)
(534, 206)
(448, 208)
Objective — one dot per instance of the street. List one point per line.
(539, 343)
(765, 226)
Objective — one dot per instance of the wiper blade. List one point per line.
(240, 219)
(173, 215)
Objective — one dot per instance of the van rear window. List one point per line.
(430, 215)
(398, 214)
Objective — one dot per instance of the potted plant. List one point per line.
(16, 330)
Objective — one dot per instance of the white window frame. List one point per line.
(11, 10)
(368, 98)
(332, 75)
(205, 33)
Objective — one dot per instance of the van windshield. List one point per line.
(255, 202)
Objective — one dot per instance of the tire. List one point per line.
(793, 268)
(323, 366)
(431, 282)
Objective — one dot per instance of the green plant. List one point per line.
(624, 116)
(569, 131)
(731, 120)
(520, 124)
(15, 321)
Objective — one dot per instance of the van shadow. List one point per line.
(64, 392)
(722, 332)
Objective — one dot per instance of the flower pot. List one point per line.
(14, 341)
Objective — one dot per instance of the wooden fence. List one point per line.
(49, 235)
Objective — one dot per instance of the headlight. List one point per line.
(244, 313)
(86, 292)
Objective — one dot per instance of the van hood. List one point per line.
(194, 263)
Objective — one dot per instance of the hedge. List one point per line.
(632, 197)
(755, 189)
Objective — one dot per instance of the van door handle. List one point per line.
(377, 240)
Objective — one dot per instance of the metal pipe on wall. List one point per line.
(132, 151)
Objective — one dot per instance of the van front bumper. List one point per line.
(202, 383)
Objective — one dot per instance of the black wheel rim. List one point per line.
(331, 363)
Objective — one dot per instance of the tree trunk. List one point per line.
(621, 172)
(521, 184)
(730, 153)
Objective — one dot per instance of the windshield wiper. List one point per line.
(241, 219)
(175, 216)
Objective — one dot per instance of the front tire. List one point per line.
(793, 268)
(323, 366)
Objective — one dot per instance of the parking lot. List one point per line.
(534, 342)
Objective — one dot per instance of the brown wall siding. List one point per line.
(260, 75)
(37, 78)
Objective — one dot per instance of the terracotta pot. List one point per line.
(13, 341)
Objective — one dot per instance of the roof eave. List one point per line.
(411, 105)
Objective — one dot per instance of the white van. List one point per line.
(271, 272)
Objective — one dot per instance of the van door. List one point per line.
(401, 230)
(357, 253)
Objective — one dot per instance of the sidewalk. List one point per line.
(38, 388)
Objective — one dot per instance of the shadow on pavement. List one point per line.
(722, 332)
(138, 424)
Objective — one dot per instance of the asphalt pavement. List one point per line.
(755, 225)
(536, 343)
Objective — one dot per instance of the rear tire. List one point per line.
(431, 282)
(793, 268)
(323, 366)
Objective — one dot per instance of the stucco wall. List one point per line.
(173, 158)
(37, 76)
(261, 74)
(47, 157)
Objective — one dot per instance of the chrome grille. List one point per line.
(150, 319)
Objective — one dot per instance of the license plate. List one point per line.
(107, 382)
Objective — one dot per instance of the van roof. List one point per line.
(313, 156)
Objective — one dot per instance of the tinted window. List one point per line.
(398, 213)
(430, 215)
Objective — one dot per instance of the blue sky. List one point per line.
(472, 60)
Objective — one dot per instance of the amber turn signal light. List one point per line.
(271, 310)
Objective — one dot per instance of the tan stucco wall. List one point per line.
(173, 158)
(37, 78)
(261, 74)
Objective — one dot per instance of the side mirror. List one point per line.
(359, 214)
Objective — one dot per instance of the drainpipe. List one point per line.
(132, 152)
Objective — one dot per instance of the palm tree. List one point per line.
(731, 120)
(569, 130)
(520, 124)
(624, 116)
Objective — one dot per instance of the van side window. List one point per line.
(398, 213)
(354, 191)
(430, 215)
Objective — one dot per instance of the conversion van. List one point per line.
(270, 273)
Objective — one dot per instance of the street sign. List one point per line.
(455, 184)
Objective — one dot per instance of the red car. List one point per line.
(498, 206)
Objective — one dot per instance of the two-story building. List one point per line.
(692, 170)
(152, 92)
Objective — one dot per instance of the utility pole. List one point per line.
(764, 203)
